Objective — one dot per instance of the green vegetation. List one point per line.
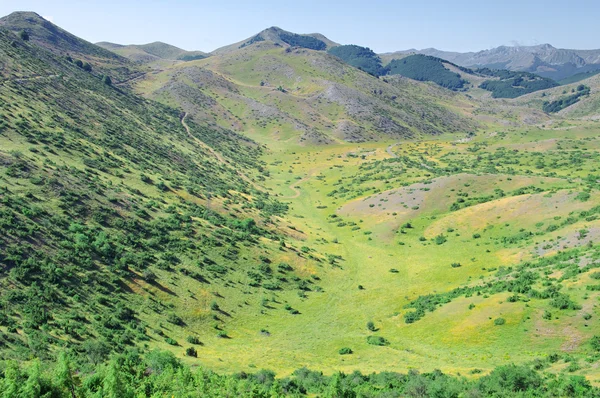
(362, 58)
(161, 374)
(154, 248)
(427, 68)
(126, 214)
(560, 104)
(296, 40)
(513, 84)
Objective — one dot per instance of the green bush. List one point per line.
(499, 321)
(193, 340)
(345, 351)
(377, 340)
(191, 352)
(595, 343)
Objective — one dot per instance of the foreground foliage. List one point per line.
(160, 374)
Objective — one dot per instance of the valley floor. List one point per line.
(400, 221)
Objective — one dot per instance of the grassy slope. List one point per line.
(322, 100)
(47, 35)
(115, 219)
(152, 52)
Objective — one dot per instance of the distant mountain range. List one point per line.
(544, 60)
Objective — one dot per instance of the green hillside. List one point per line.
(152, 52)
(116, 213)
(426, 68)
(513, 84)
(273, 221)
(284, 97)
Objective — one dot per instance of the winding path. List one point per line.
(297, 192)
(389, 150)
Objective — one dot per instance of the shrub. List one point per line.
(595, 275)
(377, 340)
(193, 340)
(345, 351)
(440, 239)
(371, 326)
(595, 343)
(499, 321)
(563, 302)
(455, 265)
(174, 319)
(171, 341)
(191, 352)
(547, 315)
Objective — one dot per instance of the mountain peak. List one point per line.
(52, 37)
(282, 37)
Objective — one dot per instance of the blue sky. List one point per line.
(459, 25)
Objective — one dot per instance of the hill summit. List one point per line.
(152, 52)
(274, 34)
(52, 37)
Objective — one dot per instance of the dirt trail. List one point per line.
(389, 150)
(297, 192)
(217, 155)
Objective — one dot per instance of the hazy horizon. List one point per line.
(382, 27)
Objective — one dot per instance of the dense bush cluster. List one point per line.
(310, 42)
(362, 58)
(513, 84)
(562, 103)
(426, 68)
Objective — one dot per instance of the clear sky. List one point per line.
(453, 25)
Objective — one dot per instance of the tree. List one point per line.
(107, 80)
(113, 385)
(24, 35)
(33, 387)
(63, 376)
(87, 67)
